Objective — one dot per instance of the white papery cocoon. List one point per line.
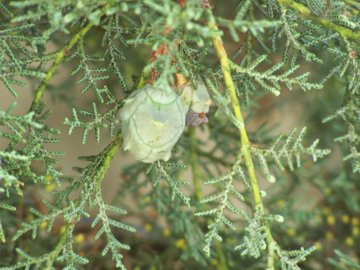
(152, 121)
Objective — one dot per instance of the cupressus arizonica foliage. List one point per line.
(233, 224)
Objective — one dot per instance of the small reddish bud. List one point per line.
(182, 3)
(153, 76)
(163, 49)
(159, 51)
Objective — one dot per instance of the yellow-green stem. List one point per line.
(60, 55)
(244, 139)
(303, 10)
(59, 58)
(108, 154)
